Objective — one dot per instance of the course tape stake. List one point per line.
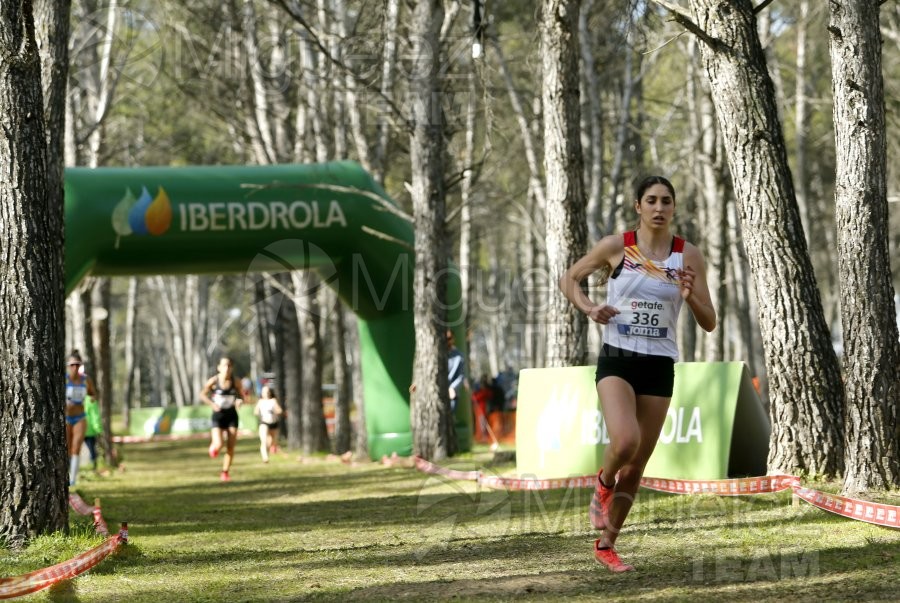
(82, 508)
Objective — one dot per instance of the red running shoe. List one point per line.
(224, 476)
(600, 504)
(610, 558)
(213, 452)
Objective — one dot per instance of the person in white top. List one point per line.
(652, 273)
(269, 412)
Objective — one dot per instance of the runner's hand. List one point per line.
(602, 313)
(686, 281)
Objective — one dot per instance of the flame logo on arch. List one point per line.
(142, 215)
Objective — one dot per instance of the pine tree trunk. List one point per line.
(306, 289)
(259, 131)
(338, 99)
(744, 307)
(100, 299)
(431, 419)
(361, 446)
(616, 170)
(291, 377)
(801, 123)
(687, 198)
(716, 227)
(342, 379)
(263, 334)
(804, 376)
(593, 118)
(532, 281)
(871, 346)
(468, 225)
(388, 69)
(52, 33)
(132, 383)
(566, 218)
(84, 324)
(32, 435)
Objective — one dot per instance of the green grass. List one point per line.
(324, 531)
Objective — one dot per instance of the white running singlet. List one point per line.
(647, 295)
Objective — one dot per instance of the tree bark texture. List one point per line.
(871, 348)
(33, 459)
(100, 299)
(563, 165)
(290, 378)
(342, 378)
(593, 120)
(361, 445)
(132, 383)
(306, 291)
(429, 401)
(52, 34)
(804, 377)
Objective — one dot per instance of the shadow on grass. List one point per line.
(331, 532)
(756, 575)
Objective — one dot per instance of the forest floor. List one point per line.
(321, 530)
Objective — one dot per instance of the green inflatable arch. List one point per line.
(330, 218)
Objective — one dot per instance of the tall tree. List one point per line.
(132, 382)
(806, 399)
(32, 435)
(290, 376)
(431, 419)
(103, 363)
(342, 377)
(53, 44)
(306, 290)
(871, 345)
(566, 213)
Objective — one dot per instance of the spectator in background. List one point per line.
(481, 399)
(247, 390)
(455, 370)
(498, 397)
(509, 381)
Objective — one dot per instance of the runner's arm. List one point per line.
(695, 290)
(207, 389)
(600, 257)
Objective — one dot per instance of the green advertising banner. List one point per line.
(560, 431)
(171, 420)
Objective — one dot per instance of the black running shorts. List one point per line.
(225, 418)
(647, 375)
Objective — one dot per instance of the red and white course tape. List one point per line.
(875, 513)
(429, 467)
(723, 487)
(43, 578)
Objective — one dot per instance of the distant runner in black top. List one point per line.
(222, 394)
